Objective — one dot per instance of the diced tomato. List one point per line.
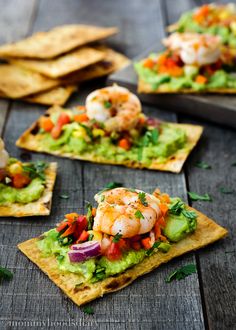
(83, 237)
(148, 63)
(114, 252)
(56, 131)
(123, 244)
(124, 143)
(63, 119)
(136, 245)
(20, 180)
(46, 124)
(201, 79)
(135, 238)
(146, 243)
(80, 118)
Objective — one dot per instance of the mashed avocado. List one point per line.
(24, 195)
(178, 227)
(170, 140)
(220, 79)
(128, 260)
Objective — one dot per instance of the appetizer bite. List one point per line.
(129, 234)
(25, 188)
(215, 19)
(112, 129)
(191, 63)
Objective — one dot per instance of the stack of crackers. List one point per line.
(47, 67)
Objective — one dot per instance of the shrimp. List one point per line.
(115, 107)
(3, 155)
(123, 211)
(195, 48)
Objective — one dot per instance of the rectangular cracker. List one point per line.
(59, 40)
(31, 141)
(146, 88)
(40, 207)
(207, 232)
(56, 96)
(113, 61)
(17, 82)
(63, 65)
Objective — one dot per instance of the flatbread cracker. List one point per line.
(40, 207)
(56, 96)
(16, 82)
(207, 232)
(57, 41)
(146, 88)
(112, 62)
(65, 64)
(31, 141)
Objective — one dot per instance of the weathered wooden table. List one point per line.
(201, 301)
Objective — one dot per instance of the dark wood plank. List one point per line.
(217, 262)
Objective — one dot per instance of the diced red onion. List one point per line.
(84, 251)
(153, 122)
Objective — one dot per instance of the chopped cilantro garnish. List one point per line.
(107, 104)
(36, 169)
(60, 257)
(64, 196)
(99, 274)
(195, 197)
(89, 216)
(179, 207)
(5, 274)
(88, 130)
(88, 310)
(150, 251)
(181, 273)
(225, 190)
(139, 215)
(203, 165)
(111, 185)
(90, 238)
(150, 136)
(142, 198)
(116, 238)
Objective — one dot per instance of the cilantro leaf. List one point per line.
(36, 169)
(90, 238)
(139, 215)
(150, 251)
(181, 273)
(154, 136)
(225, 190)
(107, 104)
(64, 196)
(150, 136)
(196, 197)
(89, 216)
(88, 310)
(142, 198)
(203, 165)
(116, 238)
(233, 164)
(60, 257)
(179, 207)
(111, 185)
(88, 130)
(5, 274)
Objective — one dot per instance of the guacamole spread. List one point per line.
(25, 195)
(77, 140)
(98, 268)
